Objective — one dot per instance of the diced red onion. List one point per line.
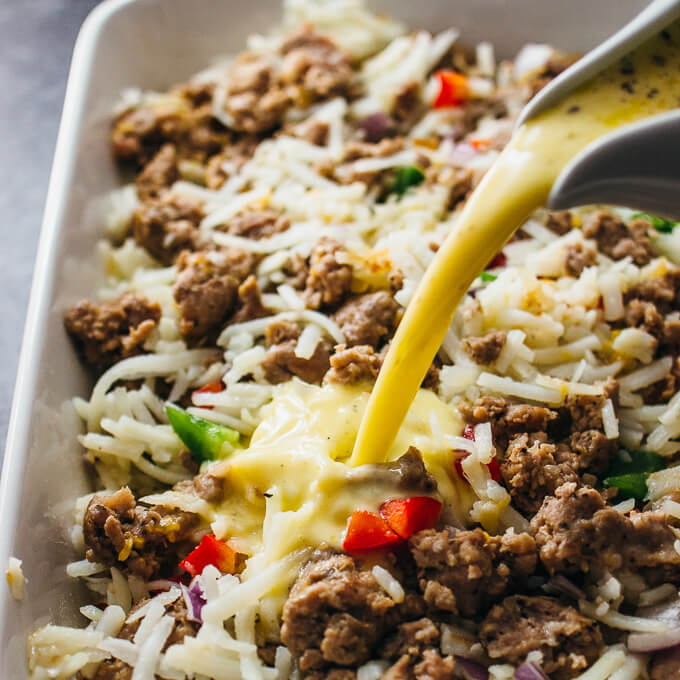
(193, 598)
(375, 126)
(652, 642)
(562, 585)
(530, 671)
(161, 584)
(471, 669)
(668, 612)
(462, 154)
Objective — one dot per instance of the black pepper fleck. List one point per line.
(627, 68)
(627, 87)
(652, 93)
(573, 109)
(659, 59)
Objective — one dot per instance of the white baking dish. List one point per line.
(151, 44)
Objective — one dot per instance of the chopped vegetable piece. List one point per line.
(480, 144)
(453, 89)
(213, 387)
(407, 176)
(659, 223)
(493, 465)
(633, 485)
(640, 461)
(368, 531)
(485, 276)
(407, 516)
(500, 260)
(210, 551)
(203, 438)
(494, 469)
(630, 476)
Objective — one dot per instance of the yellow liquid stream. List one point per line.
(640, 85)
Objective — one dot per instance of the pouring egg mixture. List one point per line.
(302, 215)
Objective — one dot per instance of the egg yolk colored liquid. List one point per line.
(642, 84)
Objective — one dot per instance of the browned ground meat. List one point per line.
(368, 319)
(577, 258)
(585, 411)
(334, 614)
(568, 641)
(647, 315)
(115, 669)
(312, 130)
(332, 674)
(328, 282)
(356, 150)
(257, 224)
(531, 472)
(408, 106)
(256, 100)
(316, 65)
(428, 666)
(617, 240)
(486, 349)
(250, 304)
(411, 638)
(558, 221)
(281, 364)
(350, 365)
(650, 548)
(464, 571)
(205, 485)
(663, 291)
(143, 540)
(158, 174)
(587, 451)
(229, 160)
(206, 289)
(260, 91)
(575, 530)
(109, 331)
(507, 417)
(461, 182)
(665, 665)
(185, 119)
(166, 226)
(557, 63)
(407, 472)
(413, 474)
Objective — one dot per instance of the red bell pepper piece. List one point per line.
(407, 516)
(453, 89)
(500, 260)
(368, 531)
(493, 465)
(494, 469)
(214, 387)
(210, 551)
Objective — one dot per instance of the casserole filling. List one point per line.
(282, 207)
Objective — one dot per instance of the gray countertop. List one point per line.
(36, 40)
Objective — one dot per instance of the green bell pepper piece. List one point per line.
(486, 276)
(203, 438)
(659, 223)
(406, 176)
(630, 476)
(633, 485)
